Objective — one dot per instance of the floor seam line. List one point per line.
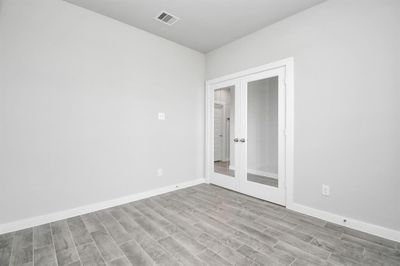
(112, 239)
(73, 242)
(52, 240)
(94, 242)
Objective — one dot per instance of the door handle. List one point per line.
(236, 140)
(242, 140)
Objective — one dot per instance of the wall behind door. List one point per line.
(347, 80)
(79, 97)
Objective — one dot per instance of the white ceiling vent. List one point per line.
(167, 18)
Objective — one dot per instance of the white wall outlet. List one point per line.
(161, 116)
(326, 191)
(160, 172)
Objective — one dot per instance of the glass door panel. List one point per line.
(224, 113)
(262, 131)
(225, 168)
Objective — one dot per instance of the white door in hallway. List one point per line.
(219, 131)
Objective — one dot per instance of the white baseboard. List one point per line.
(56, 216)
(327, 216)
(350, 223)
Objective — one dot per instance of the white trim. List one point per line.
(289, 130)
(262, 173)
(56, 216)
(350, 223)
(257, 172)
(277, 64)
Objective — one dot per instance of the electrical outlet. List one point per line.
(160, 172)
(326, 191)
(161, 116)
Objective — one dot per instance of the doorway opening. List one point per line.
(249, 121)
(224, 106)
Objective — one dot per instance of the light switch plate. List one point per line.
(161, 116)
(326, 190)
(160, 172)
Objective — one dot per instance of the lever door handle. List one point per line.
(242, 140)
(236, 140)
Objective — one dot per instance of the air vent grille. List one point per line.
(167, 18)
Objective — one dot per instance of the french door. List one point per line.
(247, 140)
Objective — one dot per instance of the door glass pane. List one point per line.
(262, 131)
(224, 106)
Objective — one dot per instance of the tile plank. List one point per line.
(299, 253)
(151, 228)
(373, 247)
(115, 229)
(107, 247)
(89, 255)
(212, 258)
(123, 261)
(258, 257)
(6, 243)
(45, 256)
(234, 257)
(157, 253)
(42, 236)
(22, 250)
(79, 232)
(368, 237)
(92, 223)
(190, 243)
(66, 252)
(179, 252)
(135, 254)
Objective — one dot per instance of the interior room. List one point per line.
(151, 132)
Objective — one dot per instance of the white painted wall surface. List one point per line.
(347, 109)
(79, 97)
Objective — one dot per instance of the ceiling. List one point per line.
(204, 24)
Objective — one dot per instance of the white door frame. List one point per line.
(287, 64)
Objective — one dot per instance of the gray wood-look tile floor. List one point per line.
(201, 225)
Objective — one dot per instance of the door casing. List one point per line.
(232, 79)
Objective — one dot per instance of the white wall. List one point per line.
(79, 96)
(347, 109)
(262, 126)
